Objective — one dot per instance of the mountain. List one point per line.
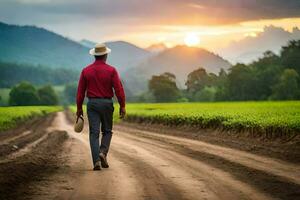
(157, 48)
(250, 48)
(179, 60)
(33, 45)
(124, 54)
(87, 43)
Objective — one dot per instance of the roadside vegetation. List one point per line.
(255, 117)
(10, 117)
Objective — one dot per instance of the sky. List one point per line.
(215, 23)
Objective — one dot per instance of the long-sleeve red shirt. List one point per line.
(99, 80)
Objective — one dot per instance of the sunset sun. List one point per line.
(191, 39)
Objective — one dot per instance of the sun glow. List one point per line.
(250, 34)
(191, 39)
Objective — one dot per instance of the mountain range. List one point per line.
(38, 46)
(125, 55)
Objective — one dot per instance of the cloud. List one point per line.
(193, 12)
(34, 1)
(252, 47)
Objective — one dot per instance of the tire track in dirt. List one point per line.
(156, 183)
(17, 139)
(151, 182)
(195, 179)
(8, 140)
(26, 149)
(273, 185)
(17, 175)
(279, 168)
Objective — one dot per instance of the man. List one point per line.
(98, 80)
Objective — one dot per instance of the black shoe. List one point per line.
(97, 166)
(104, 162)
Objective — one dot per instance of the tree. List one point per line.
(47, 95)
(241, 83)
(70, 92)
(197, 80)
(221, 86)
(164, 87)
(290, 55)
(23, 94)
(206, 94)
(266, 72)
(287, 88)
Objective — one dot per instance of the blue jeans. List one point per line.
(100, 111)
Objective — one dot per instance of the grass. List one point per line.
(262, 117)
(12, 116)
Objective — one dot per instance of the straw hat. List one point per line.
(78, 126)
(99, 50)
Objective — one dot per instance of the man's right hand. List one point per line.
(122, 112)
(79, 113)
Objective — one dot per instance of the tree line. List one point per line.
(26, 94)
(272, 77)
(33, 84)
(14, 73)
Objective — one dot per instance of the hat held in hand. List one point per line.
(78, 126)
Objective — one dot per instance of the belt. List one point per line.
(99, 97)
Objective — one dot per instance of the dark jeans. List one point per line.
(100, 111)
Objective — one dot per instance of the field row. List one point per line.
(263, 117)
(11, 116)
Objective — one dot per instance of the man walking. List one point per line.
(98, 80)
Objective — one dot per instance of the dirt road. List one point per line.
(148, 165)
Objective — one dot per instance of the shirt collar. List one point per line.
(99, 62)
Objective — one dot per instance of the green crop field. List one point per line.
(266, 117)
(270, 117)
(11, 116)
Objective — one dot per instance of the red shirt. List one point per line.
(99, 80)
